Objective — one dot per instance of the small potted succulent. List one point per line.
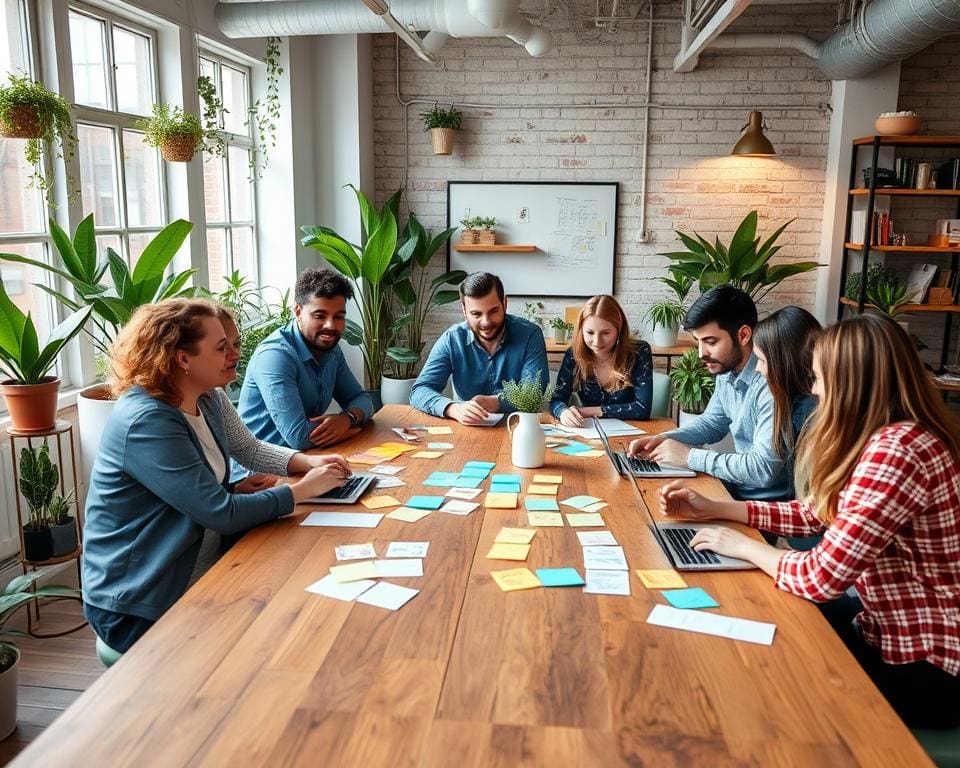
(177, 134)
(442, 123)
(692, 385)
(478, 230)
(561, 329)
(51, 531)
(528, 397)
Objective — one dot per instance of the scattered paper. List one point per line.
(385, 469)
(457, 507)
(540, 505)
(713, 624)
(480, 472)
(439, 431)
(579, 502)
(425, 502)
(389, 482)
(386, 595)
(404, 434)
(427, 455)
(559, 577)
(408, 515)
(543, 490)
(490, 420)
(548, 479)
(464, 493)
(596, 539)
(612, 428)
(515, 536)
(604, 558)
(400, 567)
(545, 519)
(662, 579)
(379, 502)
(573, 449)
(505, 488)
(501, 478)
(585, 520)
(343, 519)
(407, 548)
(500, 501)
(480, 465)
(692, 597)
(592, 508)
(443, 476)
(508, 552)
(328, 586)
(355, 551)
(515, 578)
(354, 571)
(600, 582)
(439, 446)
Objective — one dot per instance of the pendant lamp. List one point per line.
(752, 142)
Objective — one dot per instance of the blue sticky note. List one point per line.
(573, 449)
(694, 597)
(425, 502)
(443, 476)
(506, 479)
(480, 472)
(480, 464)
(541, 505)
(467, 482)
(442, 482)
(559, 577)
(504, 487)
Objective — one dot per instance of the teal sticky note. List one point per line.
(443, 476)
(480, 464)
(504, 487)
(467, 482)
(559, 577)
(440, 482)
(573, 449)
(541, 505)
(579, 502)
(480, 472)
(500, 478)
(694, 597)
(425, 502)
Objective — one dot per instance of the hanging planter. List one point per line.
(21, 122)
(442, 139)
(442, 123)
(178, 148)
(177, 134)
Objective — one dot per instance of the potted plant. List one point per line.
(51, 531)
(561, 329)
(529, 397)
(470, 234)
(888, 298)
(487, 235)
(692, 385)
(876, 273)
(741, 263)
(29, 111)
(442, 123)
(30, 393)
(177, 134)
(665, 317)
(18, 592)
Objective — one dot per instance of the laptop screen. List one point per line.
(653, 521)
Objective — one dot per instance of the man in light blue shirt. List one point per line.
(479, 354)
(722, 321)
(298, 370)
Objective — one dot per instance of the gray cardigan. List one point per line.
(244, 447)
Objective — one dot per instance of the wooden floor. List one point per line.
(53, 671)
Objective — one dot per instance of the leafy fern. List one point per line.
(527, 395)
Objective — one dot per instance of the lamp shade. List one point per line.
(752, 142)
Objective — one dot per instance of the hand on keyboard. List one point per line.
(643, 445)
(670, 452)
(723, 541)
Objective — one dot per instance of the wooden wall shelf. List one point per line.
(909, 192)
(910, 141)
(905, 248)
(495, 248)
(909, 307)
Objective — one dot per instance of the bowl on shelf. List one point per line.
(897, 124)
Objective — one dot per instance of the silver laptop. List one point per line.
(637, 467)
(348, 493)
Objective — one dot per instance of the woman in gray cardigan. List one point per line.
(160, 476)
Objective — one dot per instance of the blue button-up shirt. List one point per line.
(743, 407)
(286, 385)
(522, 353)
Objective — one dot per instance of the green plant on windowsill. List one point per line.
(177, 134)
(527, 395)
(692, 383)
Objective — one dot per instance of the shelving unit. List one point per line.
(495, 248)
(871, 193)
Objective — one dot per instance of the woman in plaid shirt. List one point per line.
(878, 466)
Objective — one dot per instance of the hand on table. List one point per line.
(670, 451)
(470, 412)
(489, 403)
(571, 417)
(331, 428)
(254, 483)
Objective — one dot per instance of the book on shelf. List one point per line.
(919, 279)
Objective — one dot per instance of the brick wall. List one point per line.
(693, 183)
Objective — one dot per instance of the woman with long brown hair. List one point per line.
(878, 472)
(611, 372)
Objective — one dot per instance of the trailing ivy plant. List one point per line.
(265, 111)
(212, 116)
(170, 123)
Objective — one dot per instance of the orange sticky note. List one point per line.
(667, 579)
(549, 479)
(508, 552)
(366, 458)
(377, 502)
(515, 536)
(543, 490)
(500, 501)
(515, 578)
(426, 455)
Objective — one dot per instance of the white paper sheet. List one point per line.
(407, 548)
(613, 428)
(388, 482)
(343, 519)
(713, 624)
(600, 582)
(605, 558)
(385, 469)
(596, 539)
(456, 507)
(355, 552)
(387, 595)
(464, 493)
(328, 586)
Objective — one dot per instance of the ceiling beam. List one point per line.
(689, 56)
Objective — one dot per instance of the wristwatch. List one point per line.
(354, 419)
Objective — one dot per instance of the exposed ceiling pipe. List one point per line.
(380, 9)
(453, 18)
(792, 40)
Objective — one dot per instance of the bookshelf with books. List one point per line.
(872, 220)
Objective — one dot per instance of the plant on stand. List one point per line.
(51, 531)
(529, 397)
(692, 384)
(561, 329)
(177, 134)
(442, 123)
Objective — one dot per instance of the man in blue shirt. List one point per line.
(297, 370)
(480, 353)
(722, 321)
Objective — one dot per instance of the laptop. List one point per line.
(348, 493)
(674, 539)
(637, 467)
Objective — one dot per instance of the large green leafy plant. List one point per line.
(692, 383)
(39, 479)
(744, 263)
(19, 591)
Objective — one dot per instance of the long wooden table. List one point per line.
(249, 669)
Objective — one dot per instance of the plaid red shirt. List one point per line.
(896, 537)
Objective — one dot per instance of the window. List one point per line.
(115, 83)
(228, 191)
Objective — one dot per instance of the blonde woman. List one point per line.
(878, 468)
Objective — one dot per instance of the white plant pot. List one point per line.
(395, 391)
(529, 445)
(8, 699)
(665, 337)
(94, 407)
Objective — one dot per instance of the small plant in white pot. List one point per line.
(665, 317)
(529, 397)
(692, 385)
(561, 330)
(442, 123)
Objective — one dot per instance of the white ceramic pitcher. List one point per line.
(529, 443)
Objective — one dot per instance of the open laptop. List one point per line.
(637, 467)
(348, 493)
(674, 539)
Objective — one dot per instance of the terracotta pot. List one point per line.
(442, 139)
(178, 149)
(22, 122)
(33, 407)
(897, 126)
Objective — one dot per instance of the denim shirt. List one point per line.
(632, 402)
(743, 407)
(522, 353)
(286, 386)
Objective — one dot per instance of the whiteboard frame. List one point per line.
(608, 287)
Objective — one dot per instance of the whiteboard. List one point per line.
(572, 225)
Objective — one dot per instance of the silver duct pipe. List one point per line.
(790, 40)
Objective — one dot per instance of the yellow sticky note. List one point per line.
(549, 479)
(439, 431)
(515, 536)
(397, 447)
(408, 515)
(382, 450)
(377, 502)
(544, 519)
(662, 579)
(543, 490)
(508, 552)
(354, 571)
(515, 578)
(500, 501)
(595, 507)
(366, 458)
(590, 454)
(584, 520)
(426, 455)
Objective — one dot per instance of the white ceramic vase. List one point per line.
(665, 337)
(529, 445)
(395, 391)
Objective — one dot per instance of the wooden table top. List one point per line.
(249, 669)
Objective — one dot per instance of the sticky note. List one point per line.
(667, 579)
(595, 507)
(378, 502)
(354, 571)
(601, 582)
(354, 551)
(408, 515)
(407, 548)
(515, 536)
(440, 482)
(515, 578)
(507, 552)
(365, 458)
(692, 597)
(545, 519)
(500, 501)
(439, 446)
(387, 453)
(425, 502)
(596, 539)
(439, 431)
(480, 464)
(585, 520)
(464, 493)
(480, 472)
(457, 507)
(398, 447)
(579, 502)
(504, 487)
(540, 505)
(426, 455)
(443, 475)
(559, 577)
(467, 482)
(542, 490)
(385, 469)
(548, 479)
(573, 449)
(592, 454)
(501, 478)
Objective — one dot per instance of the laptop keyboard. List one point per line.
(680, 538)
(344, 490)
(642, 465)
